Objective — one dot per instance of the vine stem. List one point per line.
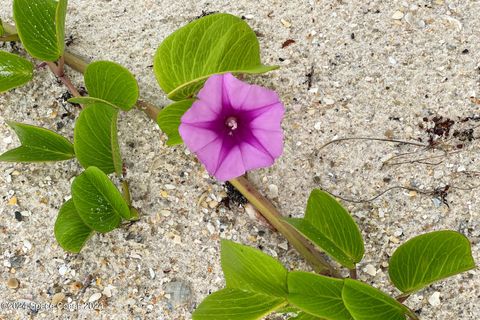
(59, 72)
(273, 216)
(263, 205)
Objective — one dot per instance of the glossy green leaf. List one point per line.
(169, 117)
(90, 100)
(40, 25)
(251, 270)
(365, 302)
(38, 145)
(304, 316)
(97, 200)
(217, 43)
(60, 16)
(95, 138)
(70, 230)
(318, 295)
(330, 227)
(236, 304)
(428, 258)
(15, 71)
(113, 83)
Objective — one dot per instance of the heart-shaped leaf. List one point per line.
(41, 27)
(251, 270)
(218, 43)
(38, 145)
(98, 202)
(95, 138)
(169, 118)
(428, 258)
(70, 230)
(330, 227)
(236, 304)
(318, 295)
(368, 303)
(111, 82)
(15, 71)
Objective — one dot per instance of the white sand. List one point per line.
(419, 58)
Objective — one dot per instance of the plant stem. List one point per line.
(150, 109)
(265, 207)
(353, 273)
(58, 70)
(271, 214)
(402, 298)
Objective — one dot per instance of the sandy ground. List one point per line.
(381, 69)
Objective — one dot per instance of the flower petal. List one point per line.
(231, 166)
(244, 96)
(211, 93)
(199, 112)
(254, 158)
(196, 138)
(268, 118)
(209, 154)
(272, 141)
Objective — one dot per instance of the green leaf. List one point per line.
(428, 258)
(236, 304)
(40, 25)
(15, 71)
(330, 227)
(368, 303)
(318, 295)
(250, 269)
(218, 43)
(2, 30)
(38, 145)
(169, 120)
(305, 316)
(90, 100)
(70, 231)
(60, 16)
(95, 138)
(98, 202)
(111, 82)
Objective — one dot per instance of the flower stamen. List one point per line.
(232, 124)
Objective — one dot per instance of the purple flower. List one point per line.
(233, 127)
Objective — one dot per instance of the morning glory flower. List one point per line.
(233, 127)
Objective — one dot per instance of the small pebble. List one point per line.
(328, 101)
(63, 270)
(94, 297)
(398, 232)
(286, 23)
(179, 291)
(370, 269)
(13, 201)
(434, 299)
(58, 297)
(273, 191)
(13, 283)
(317, 126)
(213, 204)
(398, 15)
(107, 291)
(283, 245)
